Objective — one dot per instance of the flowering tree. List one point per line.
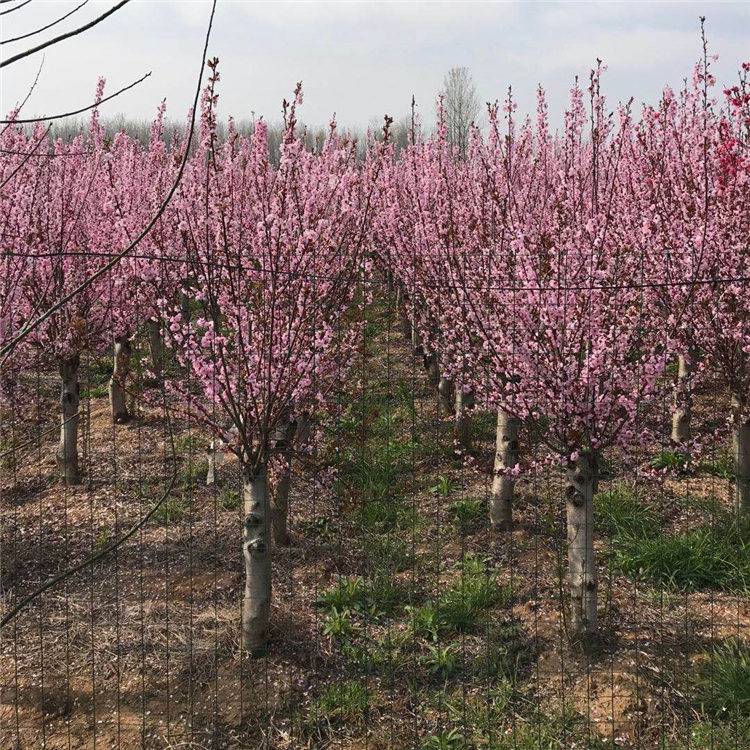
(58, 231)
(696, 220)
(565, 315)
(274, 257)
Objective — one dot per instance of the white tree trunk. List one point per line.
(256, 549)
(118, 381)
(462, 425)
(581, 561)
(506, 457)
(156, 345)
(741, 455)
(682, 402)
(447, 392)
(69, 407)
(215, 458)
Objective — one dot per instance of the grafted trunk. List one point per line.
(433, 369)
(741, 455)
(447, 392)
(280, 496)
(69, 406)
(156, 345)
(256, 549)
(118, 381)
(682, 402)
(462, 425)
(581, 480)
(506, 457)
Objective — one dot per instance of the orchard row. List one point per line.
(553, 275)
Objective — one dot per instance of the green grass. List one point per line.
(380, 595)
(719, 465)
(618, 512)
(714, 555)
(670, 460)
(461, 607)
(229, 498)
(173, 509)
(440, 661)
(444, 487)
(468, 514)
(341, 703)
(722, 682)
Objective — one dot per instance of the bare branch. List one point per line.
(44, 28)
(62, 37)
(76, 111)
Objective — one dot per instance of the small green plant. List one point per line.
(720, 465)
(320, 528)
(444, 487)
(341, 703)
(669, 460)
(383, 656)
(338, 624)
(424, 621)
(229, 498)
(460, 607)
(450, 739)
(173, 509)
(103, 538)
(347, 593)
(467, 514)
(440, 661)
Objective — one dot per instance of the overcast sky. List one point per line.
(362, 60)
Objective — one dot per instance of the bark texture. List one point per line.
(118, 381)
(581, 560)
(280, 504)
(741, 455)
(681, 414)
(156, 346)
(462, 425)
(447, 392)
(433, 369)
(506, 457)
(256, 604)
(70, 399)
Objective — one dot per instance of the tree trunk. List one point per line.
(506, 457)
(581, 561)
(741, 455)
(403, 315)
(214, 460)
(433, 369)
(416, 342)
(447, 392)
(462, 427)
(280, 495)
(256, 605)
(118, 381)
(156, 345)
(682, 401)
(70, 398)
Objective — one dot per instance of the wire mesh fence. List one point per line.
(400, 617)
